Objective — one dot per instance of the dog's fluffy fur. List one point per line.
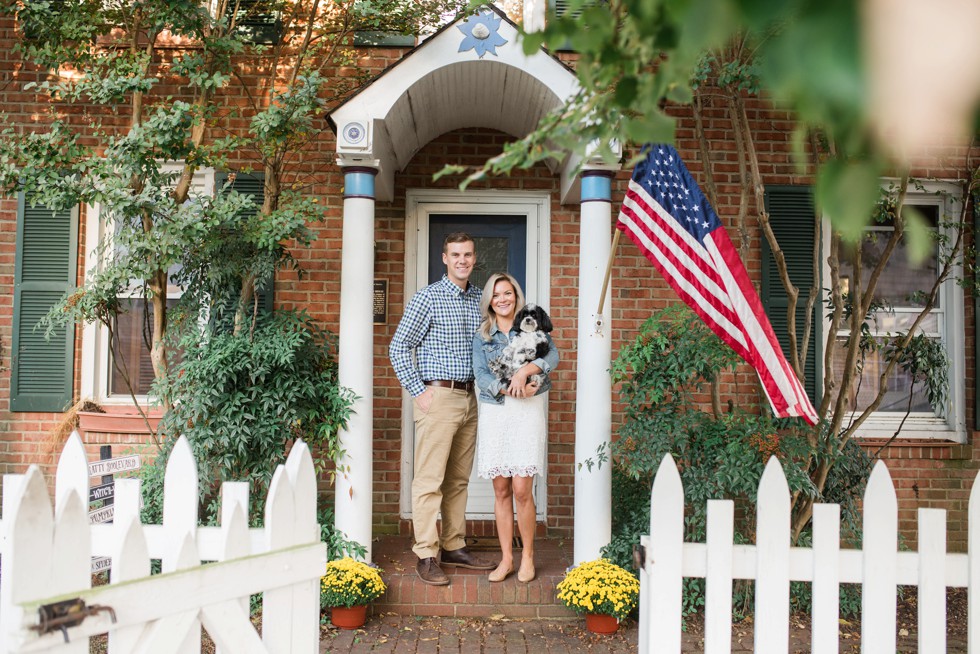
(530, 343)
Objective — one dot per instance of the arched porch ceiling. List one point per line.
(452, 80)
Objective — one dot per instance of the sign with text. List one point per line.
(101, 563)
(103, 492)
(380, 301)
(101, 515)
(112, 466)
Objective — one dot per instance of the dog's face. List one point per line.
(532, 318)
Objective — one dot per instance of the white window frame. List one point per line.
(96, 364)
(951, 426)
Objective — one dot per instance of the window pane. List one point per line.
(893, 322)
(130, 350)
(902, 283)
(492, 258)
(865, 389)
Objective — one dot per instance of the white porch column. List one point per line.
(593, 393)
(354, 486)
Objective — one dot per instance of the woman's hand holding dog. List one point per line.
(519, 384)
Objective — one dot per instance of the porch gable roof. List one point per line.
(471, 73)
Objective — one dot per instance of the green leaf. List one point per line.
(846, 192)
(918, 235)
(626, 91)
(655, 127)
(680, 93)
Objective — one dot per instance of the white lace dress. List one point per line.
(512, 437)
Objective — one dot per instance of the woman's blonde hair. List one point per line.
(489, 317)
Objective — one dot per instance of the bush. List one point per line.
(242, 400)
(664, 375)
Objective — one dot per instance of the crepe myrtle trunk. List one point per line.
(158, 351)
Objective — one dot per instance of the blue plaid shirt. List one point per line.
(439, 323)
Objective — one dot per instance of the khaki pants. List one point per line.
(445, 444)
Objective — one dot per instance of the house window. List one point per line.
(130, 357)
(256, 21)
(899, 297)
(102, 379)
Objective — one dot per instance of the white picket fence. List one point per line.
(773, 563)
(46, 558)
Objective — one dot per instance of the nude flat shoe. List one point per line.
(526, 578)
(499, 575)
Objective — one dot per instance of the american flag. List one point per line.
(670, 220)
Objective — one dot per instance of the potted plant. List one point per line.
(346, 589)
(603, 591)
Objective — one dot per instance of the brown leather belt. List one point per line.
(449, 383)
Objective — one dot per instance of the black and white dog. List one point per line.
(530, 343)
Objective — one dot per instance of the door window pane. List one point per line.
(492, 257)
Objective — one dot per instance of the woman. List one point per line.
(512, 429)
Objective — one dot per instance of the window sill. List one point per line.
(120, 420)
(918, 429)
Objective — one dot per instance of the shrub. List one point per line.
(664, 375)
(242, 400)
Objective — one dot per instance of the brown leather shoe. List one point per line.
(430, 572)
(462, 558)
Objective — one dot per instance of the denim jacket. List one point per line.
(490, 388)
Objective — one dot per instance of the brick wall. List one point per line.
(925, 475)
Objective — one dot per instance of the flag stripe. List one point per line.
(689, 261)
(688, 279)
(764, 357)
(683, 238)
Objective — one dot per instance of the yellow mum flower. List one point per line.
(600, 586)
(347, 582)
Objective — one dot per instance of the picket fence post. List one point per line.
(825, 596)
(665, 557)
(718, 583)
(879, 553)
(290, 519)
(772, 561)
(932, 580)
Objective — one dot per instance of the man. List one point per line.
(438, 324)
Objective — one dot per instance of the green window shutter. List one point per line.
(257, 22)
(44, 270)
(791, 216)
(563, 8)
(252, 185)
(383, 39)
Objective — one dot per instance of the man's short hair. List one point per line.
(457, 237)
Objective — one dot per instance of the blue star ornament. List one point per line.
(482, 34)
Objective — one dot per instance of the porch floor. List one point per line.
(470, 593)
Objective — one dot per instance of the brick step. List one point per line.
(470, 593)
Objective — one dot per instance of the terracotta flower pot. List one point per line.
(600, 623)
(349, 618)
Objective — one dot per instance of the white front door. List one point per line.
(511, 231)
